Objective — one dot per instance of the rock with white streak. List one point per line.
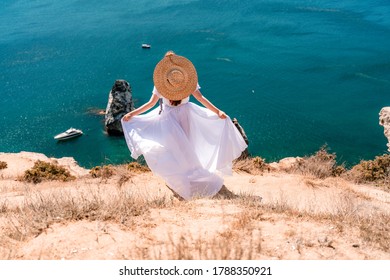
(384, 120)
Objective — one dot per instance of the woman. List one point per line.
(189, 146)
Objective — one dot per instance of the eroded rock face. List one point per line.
(120, 102)
(245, 153)
(384, 120)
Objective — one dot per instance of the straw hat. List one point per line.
(175, 77)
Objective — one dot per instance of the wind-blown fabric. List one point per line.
(189, 146)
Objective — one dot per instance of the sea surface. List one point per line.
(296, 74)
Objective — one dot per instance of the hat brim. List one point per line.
(181, 67)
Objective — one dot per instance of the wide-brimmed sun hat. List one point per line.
(175, 77)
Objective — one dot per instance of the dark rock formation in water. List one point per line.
(120, 102)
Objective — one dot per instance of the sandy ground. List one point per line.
(292, 221)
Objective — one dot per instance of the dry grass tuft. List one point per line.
(46, 171)
(3, 206)
(138, 168)
(245, 220)
(124, 171)
(104, 172)
(3, 165)
(373, 227)
(375, 230)
(255, 165)
(226, 245)
(39, 211)
(320, 165)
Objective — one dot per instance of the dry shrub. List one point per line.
(321, 165)
(46, 171)
(3, 165)
(104, 172)
(255, 165)
(377, 171)
(138, 168)
(107, 171)
(123, 179)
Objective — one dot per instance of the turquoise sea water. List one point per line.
(296, 74)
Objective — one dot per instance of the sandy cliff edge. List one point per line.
(300, 217)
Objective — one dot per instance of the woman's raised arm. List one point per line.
(148, 105)
(205, 102)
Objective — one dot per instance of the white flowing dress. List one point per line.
(189, 146)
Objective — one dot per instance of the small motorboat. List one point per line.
(146, 46)
(70, 133)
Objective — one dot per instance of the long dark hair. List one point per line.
(175, 102)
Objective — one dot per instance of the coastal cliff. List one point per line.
(384, 120)
(126, 212)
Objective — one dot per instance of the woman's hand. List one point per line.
(127, 117)
(221, 114)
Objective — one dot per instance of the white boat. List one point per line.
(70, 133)
(146, 46)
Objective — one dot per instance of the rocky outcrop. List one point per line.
(285, 164)
(18, 163)
(384, 120)
(245, 153)
(120, 102)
